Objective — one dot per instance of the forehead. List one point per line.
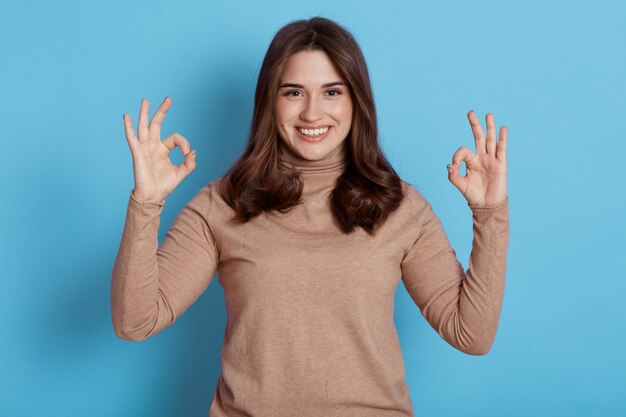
(310, 68)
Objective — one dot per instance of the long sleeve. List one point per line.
(463, 307)
(152, 285)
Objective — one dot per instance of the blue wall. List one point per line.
(553, 72)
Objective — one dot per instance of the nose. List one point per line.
(312, 110)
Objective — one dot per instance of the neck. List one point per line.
(333, 164)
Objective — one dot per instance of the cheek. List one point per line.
(278, 113)
(285, 111)
(343, 111)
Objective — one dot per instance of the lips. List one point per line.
(313, 131)
(313, 139)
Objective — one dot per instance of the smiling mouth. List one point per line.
(314, 132)
(313, 135)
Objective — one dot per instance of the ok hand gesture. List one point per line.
(485, 180)
(155, 175)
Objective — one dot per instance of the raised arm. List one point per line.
(462, 306)
(150, 285)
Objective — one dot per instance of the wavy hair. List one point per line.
(367, 191)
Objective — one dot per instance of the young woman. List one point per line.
(310, 232)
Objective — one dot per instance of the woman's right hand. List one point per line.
(155, 175)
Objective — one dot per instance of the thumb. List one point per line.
(455, 177)
(188, 165)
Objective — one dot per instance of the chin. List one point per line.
(312, 156)
(313, 153)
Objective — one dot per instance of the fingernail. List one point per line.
(449, 166)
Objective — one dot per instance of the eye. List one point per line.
(292, 93)
(334, 92)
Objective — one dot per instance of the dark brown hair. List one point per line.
(367, 191)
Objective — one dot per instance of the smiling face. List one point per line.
(313, 106)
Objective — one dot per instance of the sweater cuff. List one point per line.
(491, 207)
(138, 203)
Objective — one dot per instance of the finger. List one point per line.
(479, 136)
(188, 165)
(502, 144)
(157, 119)
(129, 131)
(491, 134)
(455, 177)
(142, 126)
(176, 139)
(462, 154)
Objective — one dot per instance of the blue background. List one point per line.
(553, 72)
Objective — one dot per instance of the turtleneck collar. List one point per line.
(334, 164)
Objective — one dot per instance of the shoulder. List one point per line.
(417, 210)
(209, 190)
(207, 199)
(413, 198)
(413, 212)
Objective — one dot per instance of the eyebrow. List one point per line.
(292, 85)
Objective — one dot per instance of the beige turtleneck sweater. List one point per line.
(310, 328)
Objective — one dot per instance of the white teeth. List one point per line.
(314, 132)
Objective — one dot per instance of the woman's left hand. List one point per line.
(485, 180)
